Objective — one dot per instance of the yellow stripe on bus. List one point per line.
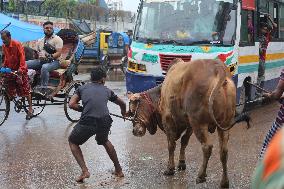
(255, 58)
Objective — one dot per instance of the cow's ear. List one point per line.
(129, 94)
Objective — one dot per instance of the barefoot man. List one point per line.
(95, 120)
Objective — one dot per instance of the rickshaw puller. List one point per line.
(14, 58)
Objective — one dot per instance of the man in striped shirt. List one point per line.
(275, 95)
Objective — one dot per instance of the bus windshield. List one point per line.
(187, 22)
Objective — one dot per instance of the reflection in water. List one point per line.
(115, 75)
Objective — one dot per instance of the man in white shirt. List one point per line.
(49, 50)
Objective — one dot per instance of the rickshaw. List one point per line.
(116, 57)
(61, 84)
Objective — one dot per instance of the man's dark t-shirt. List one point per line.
(95, 118)
(94, 98)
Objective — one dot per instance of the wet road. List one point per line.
(35, 154)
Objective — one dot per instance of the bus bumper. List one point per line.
(137, 82)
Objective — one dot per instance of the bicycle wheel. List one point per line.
(38, 104)
(71, 114)
(4, 106)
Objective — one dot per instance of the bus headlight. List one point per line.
(131, 65)
(142, 67)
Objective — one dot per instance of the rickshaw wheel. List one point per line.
(38, 104)
(71, 115)
(4, 106)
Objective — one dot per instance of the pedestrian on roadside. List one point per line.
(95, 120)
(130, 35)
(277, 124)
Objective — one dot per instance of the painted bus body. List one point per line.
(149, 59)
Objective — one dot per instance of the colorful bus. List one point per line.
(216, 29)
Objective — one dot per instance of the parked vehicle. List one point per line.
(96, 50)
(118, 47)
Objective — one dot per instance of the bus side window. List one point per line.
(274, 12)
(247, 27)
(281, 21)
(250, 27)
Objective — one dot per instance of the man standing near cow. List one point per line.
(265, 37)
(278, 123)
(49, 49)
(95, 120)
(15, 59)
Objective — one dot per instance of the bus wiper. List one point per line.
(172, 41)
(203, 42)
(152, 41)
(148, 40)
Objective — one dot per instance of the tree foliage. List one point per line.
(12, 5)
(67, 9)
(58, 8)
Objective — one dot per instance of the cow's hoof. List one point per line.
(224, 184)
(200, 180)
(169, 172)
(181, 165)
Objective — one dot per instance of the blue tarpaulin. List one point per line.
(21, 31)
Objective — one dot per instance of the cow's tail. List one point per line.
(218, 84)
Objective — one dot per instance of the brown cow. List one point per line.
(195, 97)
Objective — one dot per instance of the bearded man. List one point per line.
(49, 50)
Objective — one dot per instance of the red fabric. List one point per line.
(264, 46)
(130, 53)
(248, 4)
(18, 86)
(15, 56)
(54, 74)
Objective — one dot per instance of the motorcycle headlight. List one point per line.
(120, 41)
(110, 41)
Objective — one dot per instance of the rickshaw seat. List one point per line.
(67, 51)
